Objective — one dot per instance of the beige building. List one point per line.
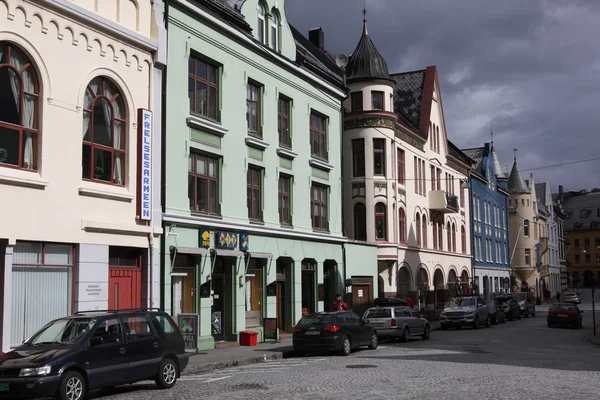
(78, 205)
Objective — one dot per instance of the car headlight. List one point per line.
(41, 371)
(443, 314)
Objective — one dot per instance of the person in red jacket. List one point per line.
(338, 304)
(409, 301)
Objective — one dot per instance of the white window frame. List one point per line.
(260, 11)
(274, 24)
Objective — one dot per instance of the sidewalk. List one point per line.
(209, 360)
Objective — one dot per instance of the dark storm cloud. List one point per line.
(528, 70)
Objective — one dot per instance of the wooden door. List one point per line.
(124, 288)
(361, 298)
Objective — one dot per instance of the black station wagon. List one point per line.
(71, 356)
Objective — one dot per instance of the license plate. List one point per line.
(378, 325)
(312, 333)
(3, 387)
(562, 315)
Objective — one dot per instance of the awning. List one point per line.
(195, 251)
(256, 254)
(228, 253)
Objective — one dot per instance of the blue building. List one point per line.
(489, 221)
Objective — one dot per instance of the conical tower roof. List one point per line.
(516, 183)
(366, 63)
(497, 167)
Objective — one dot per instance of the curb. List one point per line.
(234, 362)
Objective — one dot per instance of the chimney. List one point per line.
(561, 189)
(317, 37)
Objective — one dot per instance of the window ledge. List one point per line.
(118, 194)
(255, 222)
(286, 153)
(284, 226)
(320, 164)
(257, 143)
(204, 215)
(214, 128)
(28, 179)
(321, 231)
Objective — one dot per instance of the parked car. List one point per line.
(398, 323)
(565, 314)
(465, 311)
(571, 297)
(389, 302)
(510, 306)
(497, 315)
(526, 303)
(333, 331)
(71, 356)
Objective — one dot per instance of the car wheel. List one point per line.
(374, 342)
(488, 322)
(167, 374)
(550, 325)
(346, 346)
(476, 323)
(72, 387)
(427, 333)
(405, 335)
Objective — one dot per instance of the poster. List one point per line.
(270, 325)
(188, 325)
(360, 293)
(216, 323)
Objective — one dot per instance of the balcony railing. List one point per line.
(440, 200)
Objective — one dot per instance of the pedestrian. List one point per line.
(558, 297)
(409, 302)
(338, 303)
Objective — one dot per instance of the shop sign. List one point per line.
(226, 240)
(204, 238)
(188, 325)
(270, 325)
(244, 242)
(144, 178)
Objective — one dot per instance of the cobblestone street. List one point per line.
(521, 359)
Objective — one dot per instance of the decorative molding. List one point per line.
(313, 162)
(105, 194)
(14, 177)
(388, 122)
(205, 125)
(286, 153)
(119, 229)
(257, 143)
(455, 165)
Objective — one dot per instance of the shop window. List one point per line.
(104, 133)
(19, 109)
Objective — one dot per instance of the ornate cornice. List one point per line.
(388, 122)
(457, 166)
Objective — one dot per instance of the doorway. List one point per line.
(362, 294)
(125, 278)
(280, 295)
(309, 269)
(330, 282)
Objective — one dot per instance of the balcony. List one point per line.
(443, 202)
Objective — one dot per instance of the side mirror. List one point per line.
(95, 341)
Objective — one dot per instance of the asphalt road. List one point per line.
(520, 359)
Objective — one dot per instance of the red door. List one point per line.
(124, 288)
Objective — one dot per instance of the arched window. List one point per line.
(526, 228)
(434, 228)
(275, 30)
(104, 133)
(454, 238)
(437, 139)
(418, 229)
(360, 222)
(440, 223)
(380, 222)
(261, 23)
(424, 230)
(19, 109)
(402, 225)
(463, 239)
(449, 233)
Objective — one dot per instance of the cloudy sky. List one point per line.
(527, 69)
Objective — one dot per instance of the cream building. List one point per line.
(403, 183)
(77, 232)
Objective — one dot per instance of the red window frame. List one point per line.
(318, 136)
(21, 129)
(358, 158)
(117, 99)
(379, 151)
(285, 193)
(356, 101)
(381, 213)
(319, 221)
(210, 80)
(204, 179)
(402, 225)
(283, 122)
(360, 221)
(401, 166)
(254, 192)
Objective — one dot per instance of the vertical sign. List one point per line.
(144, 192)
(188, 325)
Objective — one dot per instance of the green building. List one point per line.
(252, 182)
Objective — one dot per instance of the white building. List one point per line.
(403, 183)
(551, 276)
(77, 233)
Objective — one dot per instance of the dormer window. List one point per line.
(377, 98)
(261, 23)
(356, 100)
(275, 30)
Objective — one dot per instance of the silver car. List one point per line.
(465, 311)
(571, 297)
(398, 322)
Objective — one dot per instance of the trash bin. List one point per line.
(248, 338)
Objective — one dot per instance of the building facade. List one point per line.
(252, 173)
(582, 236)
(76, 144)
(403, 179)
(489, 221)
(551, 269)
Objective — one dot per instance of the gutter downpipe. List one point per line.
(343, 186)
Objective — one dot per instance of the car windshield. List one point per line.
(378, 313)
(316, 319)
(562, 307)
(63, 331)
(461, 302)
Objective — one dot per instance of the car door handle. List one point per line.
(122, 350)
(155, 344)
